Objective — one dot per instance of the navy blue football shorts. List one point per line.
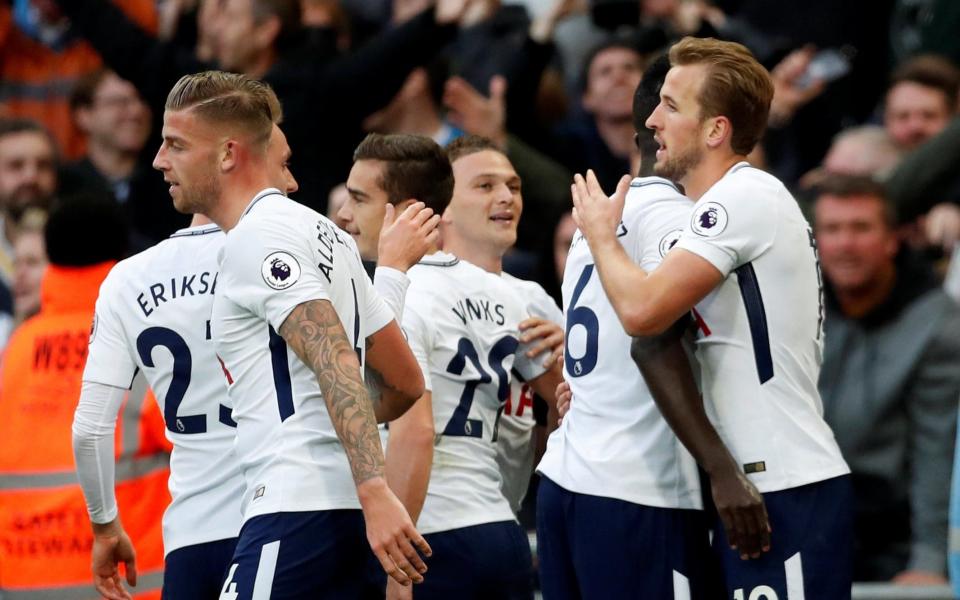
(196, 572)
(593, 547)
(296, 555)
(811, 543)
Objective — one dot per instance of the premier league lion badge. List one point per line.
(280, 270)
(709, 219)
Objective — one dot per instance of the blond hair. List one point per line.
(736, 87)
(229, 99)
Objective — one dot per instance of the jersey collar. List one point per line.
(198, 230)
(639, 182)
(258, 198)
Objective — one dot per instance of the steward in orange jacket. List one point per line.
(45, 535)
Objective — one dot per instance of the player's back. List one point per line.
(153, 314)
(760, 340)
(463, 327)
(280, 255)
(614, 441)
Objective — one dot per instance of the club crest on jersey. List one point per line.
(709, 220)
(280, 270)
(668, 241)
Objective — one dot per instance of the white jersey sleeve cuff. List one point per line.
(392, 285)
(712, 254)
(94, 423)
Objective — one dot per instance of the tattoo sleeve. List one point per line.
(313, 330)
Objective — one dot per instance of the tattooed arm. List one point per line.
(313, 330)
(393, 367)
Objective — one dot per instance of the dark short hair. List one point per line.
(415, 167)
(86, 88)
(932, 71)
(14, 125)
(645, 101)
(86, 230)
(849, 186)
(470, 144)
(609, 44)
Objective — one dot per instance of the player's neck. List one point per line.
(485, 258)
(858, 302)
(235, 197)
(710, 170)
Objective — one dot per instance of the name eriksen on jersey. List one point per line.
(478, 309)
(160, 292)
(326, 235)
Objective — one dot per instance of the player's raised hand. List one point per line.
(406, 237)
(597, 215)
(564, 397)
(391, 534)
(742, 512)
(550, 335)
(112, 546)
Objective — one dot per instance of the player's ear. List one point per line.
(718, 130)
(228, 155)
(403, 204)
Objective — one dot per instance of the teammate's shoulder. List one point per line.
(271, 206)
(525, 285)
(653, 189)
(742, 177)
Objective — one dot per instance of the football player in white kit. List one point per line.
(619, 506)
(306, 430)
(463, 325)
(153, 315)
(746, 264)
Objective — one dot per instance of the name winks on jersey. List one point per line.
(186, 285)
(478, 309)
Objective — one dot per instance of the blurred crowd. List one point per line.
(864, 128)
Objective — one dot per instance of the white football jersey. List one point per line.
(462, 324)
(614, 442)
(515, 447)
(280, 255)
(761, 337)
(153, 314)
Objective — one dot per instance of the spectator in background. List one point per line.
(117, 123)
(921, 99)
(28, 178)
(602, 140)
(29, 265)
(866, 150)
(45, 539)
(325, 96)
(890, 383)
(42, 58)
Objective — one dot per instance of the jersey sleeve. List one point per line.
(659, 225)
(269, 270)
(419, 336)
(392, 285)
(731, 229)
(110, 356)
(379, 312)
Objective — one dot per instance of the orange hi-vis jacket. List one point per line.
(36, 81)
(45, 533)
